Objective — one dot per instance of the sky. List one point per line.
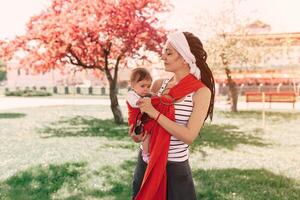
(282, 15)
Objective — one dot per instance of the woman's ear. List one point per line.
(185, 63)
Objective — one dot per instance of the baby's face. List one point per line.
(142, 87)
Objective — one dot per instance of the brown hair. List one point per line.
(206, 74)
(138, 74)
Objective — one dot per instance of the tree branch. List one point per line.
(106, 53)
(79, 62)
(116, 69)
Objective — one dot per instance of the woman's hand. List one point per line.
(136, 138)
(145, 105)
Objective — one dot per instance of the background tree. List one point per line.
(91, 34)
(234, 51)
(230, 45)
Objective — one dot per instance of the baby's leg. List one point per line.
(145, 153)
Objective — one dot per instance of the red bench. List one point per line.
(276, 97)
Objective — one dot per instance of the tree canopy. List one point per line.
(90, 34)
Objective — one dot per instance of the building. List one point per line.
(280, 63)
(21, 78)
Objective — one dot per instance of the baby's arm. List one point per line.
(132, 98)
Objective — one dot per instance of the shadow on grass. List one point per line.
(216, 136)
(11, 115)
(41, 182)
(211, 184)
(273, 115)
(86, 126)
(257, 184)
(45, 182)
(224, 136)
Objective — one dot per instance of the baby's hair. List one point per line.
(138, 74)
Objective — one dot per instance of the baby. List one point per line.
(140, 82)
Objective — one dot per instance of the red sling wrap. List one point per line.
(154, 185)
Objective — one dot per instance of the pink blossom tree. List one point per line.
(90, 34)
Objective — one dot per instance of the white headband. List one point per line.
(179, 42)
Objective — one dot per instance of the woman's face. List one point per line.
(172, 59)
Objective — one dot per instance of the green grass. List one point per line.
(11, 115)
(224, 136)
(258, 184)
(117, 181)
(272, 115)
(131, 145)
(45, 182)
(39, 183)
(86, 126)
(216, 136)
(76, 180)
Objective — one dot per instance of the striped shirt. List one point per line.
(178, 150)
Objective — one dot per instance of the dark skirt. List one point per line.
(180, 183)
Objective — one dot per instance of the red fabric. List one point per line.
(154, 185)
(133, 114)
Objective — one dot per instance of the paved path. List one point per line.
(27, 102)
(7, 103)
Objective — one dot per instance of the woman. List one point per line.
(183, 104)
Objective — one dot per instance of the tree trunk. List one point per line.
(115, 107)
(114, 104)
(233, 92)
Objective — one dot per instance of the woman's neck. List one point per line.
(179, 75)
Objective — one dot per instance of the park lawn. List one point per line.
(70, 181)
(105, 178)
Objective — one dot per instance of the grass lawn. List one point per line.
(69, 181)
(77, 152)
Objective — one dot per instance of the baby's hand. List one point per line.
(136, 138)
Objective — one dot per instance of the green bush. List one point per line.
(2, 75)
(27, 93)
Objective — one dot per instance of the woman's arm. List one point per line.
(201, 99)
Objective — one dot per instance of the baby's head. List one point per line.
(140, 81)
